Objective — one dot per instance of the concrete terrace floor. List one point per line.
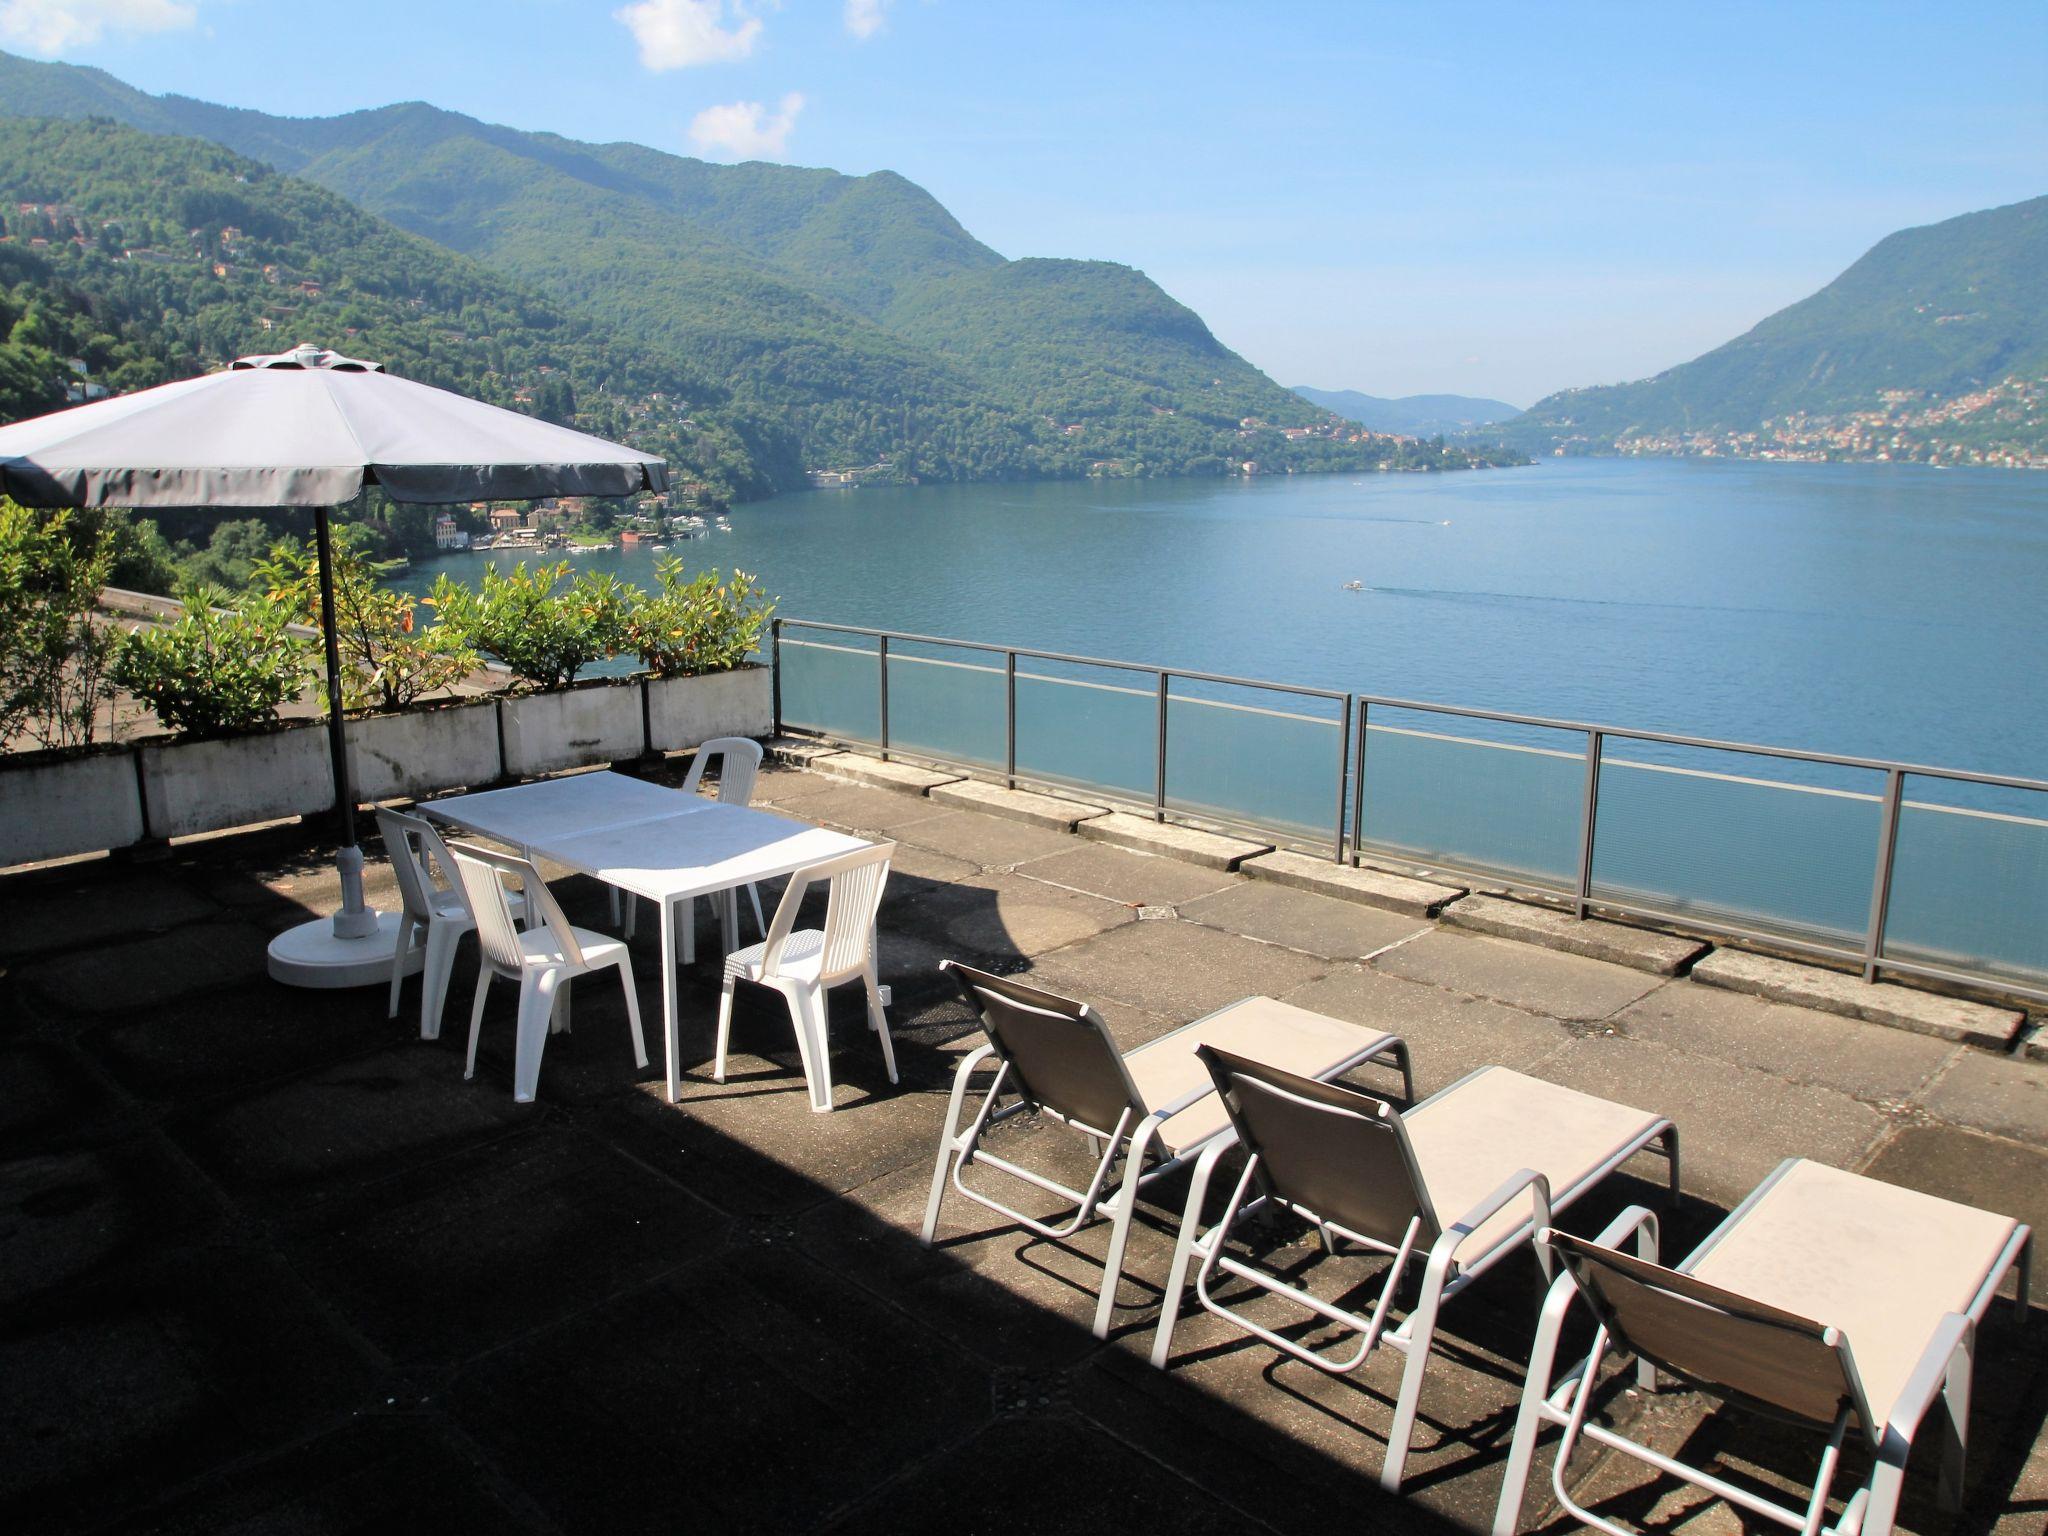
(268, 1263)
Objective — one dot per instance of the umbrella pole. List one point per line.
(354, 920)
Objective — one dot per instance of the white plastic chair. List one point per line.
(543, 960)
(434, 910)
(739, 763)
(803, 964)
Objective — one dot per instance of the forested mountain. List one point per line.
(1410, 415)
(1927, 317)
(131, 259)
(854, 312)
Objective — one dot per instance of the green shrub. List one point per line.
(387, 659)
(217, 670)
(53, 656)
(543, 624)
(698, 624)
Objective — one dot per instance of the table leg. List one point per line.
(668, 991)
(730, 913)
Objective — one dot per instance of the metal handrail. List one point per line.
(1351, 776)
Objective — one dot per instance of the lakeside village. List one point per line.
(2002, 427)
(576, 523)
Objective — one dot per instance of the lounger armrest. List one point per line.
(1639, 1222)
(1194, 1095)
(1929, 1377)
(1523, 1178)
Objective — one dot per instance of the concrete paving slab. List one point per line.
(1101, 1486)
(1211, 849)
(1370, 887)
(1965, 1165)
(1448, 1034)
(1544, 981)
(54, 1101)
(1661, 954)
(1034, 809)
(151, 1378)
(1336, 930)
(1735, 1124)
(1994, 1093)
(1135, 878)
(120, 978)
(782, 786)
(45, 916)
(880, 773)
(1174, 968)
(984, 841)
(418, 1263)
(1926, 1013)
(751, 1364)
(1801, 1045)
(861, 809)
(398, 1471)
(1005, 917)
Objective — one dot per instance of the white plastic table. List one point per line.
(663, 844)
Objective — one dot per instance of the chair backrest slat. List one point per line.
(1334, 1151)
(739, 761)
(1060, 1055)
(854, 896)
(1770, 1359)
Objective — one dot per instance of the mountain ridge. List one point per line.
(1411, 415)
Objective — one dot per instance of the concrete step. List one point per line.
(1661, 954)
(797, 751)
(1143, 835)
(1926, 1013)
(877, 774)
(1369, 887)
(1017, 804)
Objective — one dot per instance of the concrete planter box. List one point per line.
(204, 786)
(686, 712)
(598, 722)
(426, 750)
(62, 806)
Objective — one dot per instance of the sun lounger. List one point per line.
(1826, 1299)
(1460, 1181)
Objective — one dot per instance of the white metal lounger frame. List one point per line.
(1133, 1135)
(1445, 1273)
(1943, 1372)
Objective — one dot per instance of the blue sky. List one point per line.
(1478, 198)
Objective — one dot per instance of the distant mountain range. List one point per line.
(1410, 415)
(831, 321)
(1933, 345)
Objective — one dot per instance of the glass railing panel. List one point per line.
(1738, 838)
(1970, 879)
(831, 685)
(946, 702)
(1479, 795)
(1254, 755)
(1091, 728)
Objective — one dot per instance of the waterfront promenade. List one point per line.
(268, 1261)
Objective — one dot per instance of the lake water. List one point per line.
(1877, 610)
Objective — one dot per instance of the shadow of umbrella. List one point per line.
(310, 428)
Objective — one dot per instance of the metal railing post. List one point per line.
(1159, 763)
(1589, 813)
(1010, 718)
(775, 672)
(882, 669)
(1358, 789)
(1343, 774)
(1881, 882)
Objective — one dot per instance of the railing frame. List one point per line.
(1348, 838)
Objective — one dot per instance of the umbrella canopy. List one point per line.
(309, 428)
(305, 428)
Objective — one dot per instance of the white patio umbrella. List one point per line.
(310, 428)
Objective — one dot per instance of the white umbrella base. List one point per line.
(311, 956)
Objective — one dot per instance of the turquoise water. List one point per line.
(1877, 610)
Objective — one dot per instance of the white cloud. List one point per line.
(677, 34)
(746, 130)
(864, 18)
(56, 26)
